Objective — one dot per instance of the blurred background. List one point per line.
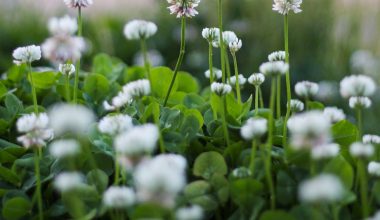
(328, 40)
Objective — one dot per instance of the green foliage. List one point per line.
(208, 164)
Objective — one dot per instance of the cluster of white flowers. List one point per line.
(35, 129)
(275, 68)
(228, 38)
(306, 89)
(322, 188)
(360, 102)
(26, 54)
(160, 179)
(235, 45)
(68, 181)
(183, 7)
(285, 6)
(217, 73)
(277, 56)
(193, 212)
(241, 80)
(371, 139)
(254, 128)
(78, 3)
(211, 34)
(374, 168)
(137, 141)
(334, 114)
(119, 197)
(325, 151)
(63, 26)
(70, 118)
(296, 105)
(64, 148)
(357, 85)
(309, 129)
(359, 149)
(220, 88)
(66, 69)
(115, 124)
(256, 79)
(139, 29)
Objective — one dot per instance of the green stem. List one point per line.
(224, 118)
(146, 59)
(253, 155)
(359, 118)
(221, 45)
(215, 115)
(180, 58)
(261, 98)
(363, 188)
(268, 160)
(78, 64)
(227, 63)
(312, 167)
(34, 93)
(335, 211)
(67, 87)
(257, 90)
(38, 184)
(237, 78)
(117, 171)
(278, 97)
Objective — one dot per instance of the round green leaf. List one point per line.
(97, 86)
(44, 80)
(187, 83)
(160, 81)
(209, 163)
(275, 215)
(16, 208)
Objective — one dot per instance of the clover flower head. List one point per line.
(241, 80)
(68, 181)
(26, 54)
(323, 188)
(78, 3)
(357, 85)
(217, 73)
(66, 69)
(256, 79)
(64, 148)
(183, 8)
(334, 114)
(139, 29)
(296, 105)
(285, 6)
(235, 45)
(274, 68)
(220, 89)
(360, 102)
(254, 128)
(115, 124)
(211, 34)
(359, 149)
(194, 212)
(62, 26)
(35, 130)
(119, 197)
(306, 89)
(325, 151)
(277, 56)
(138, 88)
(371, 139)
(60, 49)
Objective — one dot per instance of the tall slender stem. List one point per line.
(268, 160)
(146, 59)
(211, 69)
(227, 64)
(363, 188)
(78, 64)
(34, 93)
(237, 78)
(38, 184)
(68, 88)
(221, 45)
(278, 97)
(117, 171)
(288, 89)
(261, 98)
(253, 155)
(257, 90)
(359, 119)
(180, 58)
(224, 118)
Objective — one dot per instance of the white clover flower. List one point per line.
(211, 34)
(359, 149)
(228, 37)
(306, 89)
(217, 73)
(115, 124)
(138, 88)
(68, 181)
(60, 49)
(254, 128)
(66, 69)
(76, 119)
(235, 45)
(63, 26)
(139, 29)
(220, 88)
(325, 151)
(371, 139)
(274, 68)
(241, 172)
(277, 56)
(194, 212)
(256, 79)
(118, 101)
(309, 129)
(376, 216)
(119, 197)
(296, 105)
(26, 54)
(285, 6)
(183, 7)
(78, 3)
(137, 141)
(334, 114)
(374, 168)
(160, 179)
(64, 148)
(360, 102)
(323, 188)
(241, 79)
(357, 85)
(35, 129)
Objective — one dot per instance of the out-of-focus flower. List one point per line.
(118, 101)
(235, 45)
(68, 181)
(183, 7)
(35, 129)
(211, 34)
(306, 89)
(26, 54)
(360, 102)
(256, 79)
(119, 197)
(285, 6)
(274, 68)
(138, 88)
(154, 56)
(357, 85)
(371, 139)
(66, 69)
(334, 114)
(64, 148)
(322, 188)
(374, 168)
(60, 49)
(254, 128)
(137, 141)
(241, 172)
(376, 216)
(328, 90)
(309, 129)
(228, 37)
(359, 149)
(363, 62)
(193, 212)
(160, 179)
(220, 88)
(217, 73)
(115, 124)
(325, 151)
(139, 29)
(277, 56)
(70, 118)
(78, 3)
(63, 26)
(296, 105)
(241, 79)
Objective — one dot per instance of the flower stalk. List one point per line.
(34, 93)
(224, 120)
(363, 187)
(253, 155)
(38, 184)
(237, 85)
(221, 46)
(278, 97)
(146, 59)
(257, 91)
(67, 88)
(78, 64)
